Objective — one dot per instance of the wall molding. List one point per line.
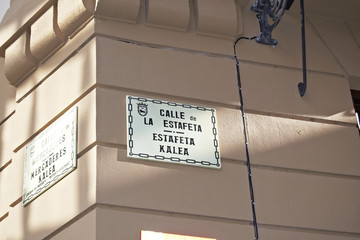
(57, 21)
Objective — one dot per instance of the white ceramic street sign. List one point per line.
(172, 132)
(50, 156)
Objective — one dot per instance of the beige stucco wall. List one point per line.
(91, 54)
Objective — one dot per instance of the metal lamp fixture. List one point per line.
(271, 10)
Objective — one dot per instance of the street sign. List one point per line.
(50, 156)
(172, 132)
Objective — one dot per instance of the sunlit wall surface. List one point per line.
(56, 56)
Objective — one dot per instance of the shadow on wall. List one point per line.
(7, 107)
(140, 184)
(75, 190)
(273, 90)
(7, 94)
(135, 183)
(304, 146)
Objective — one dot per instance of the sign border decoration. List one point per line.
(161, 158)
(74, 112)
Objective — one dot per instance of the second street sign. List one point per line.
(172, 132)
(50, 156)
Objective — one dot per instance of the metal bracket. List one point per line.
(264, 10)
(273, 10)
(269, 10)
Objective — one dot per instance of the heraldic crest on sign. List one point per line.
(142, 109)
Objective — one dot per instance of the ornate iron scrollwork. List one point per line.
(271, 10)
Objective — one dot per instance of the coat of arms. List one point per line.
(142, 109)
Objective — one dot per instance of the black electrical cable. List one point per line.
(255, 225)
